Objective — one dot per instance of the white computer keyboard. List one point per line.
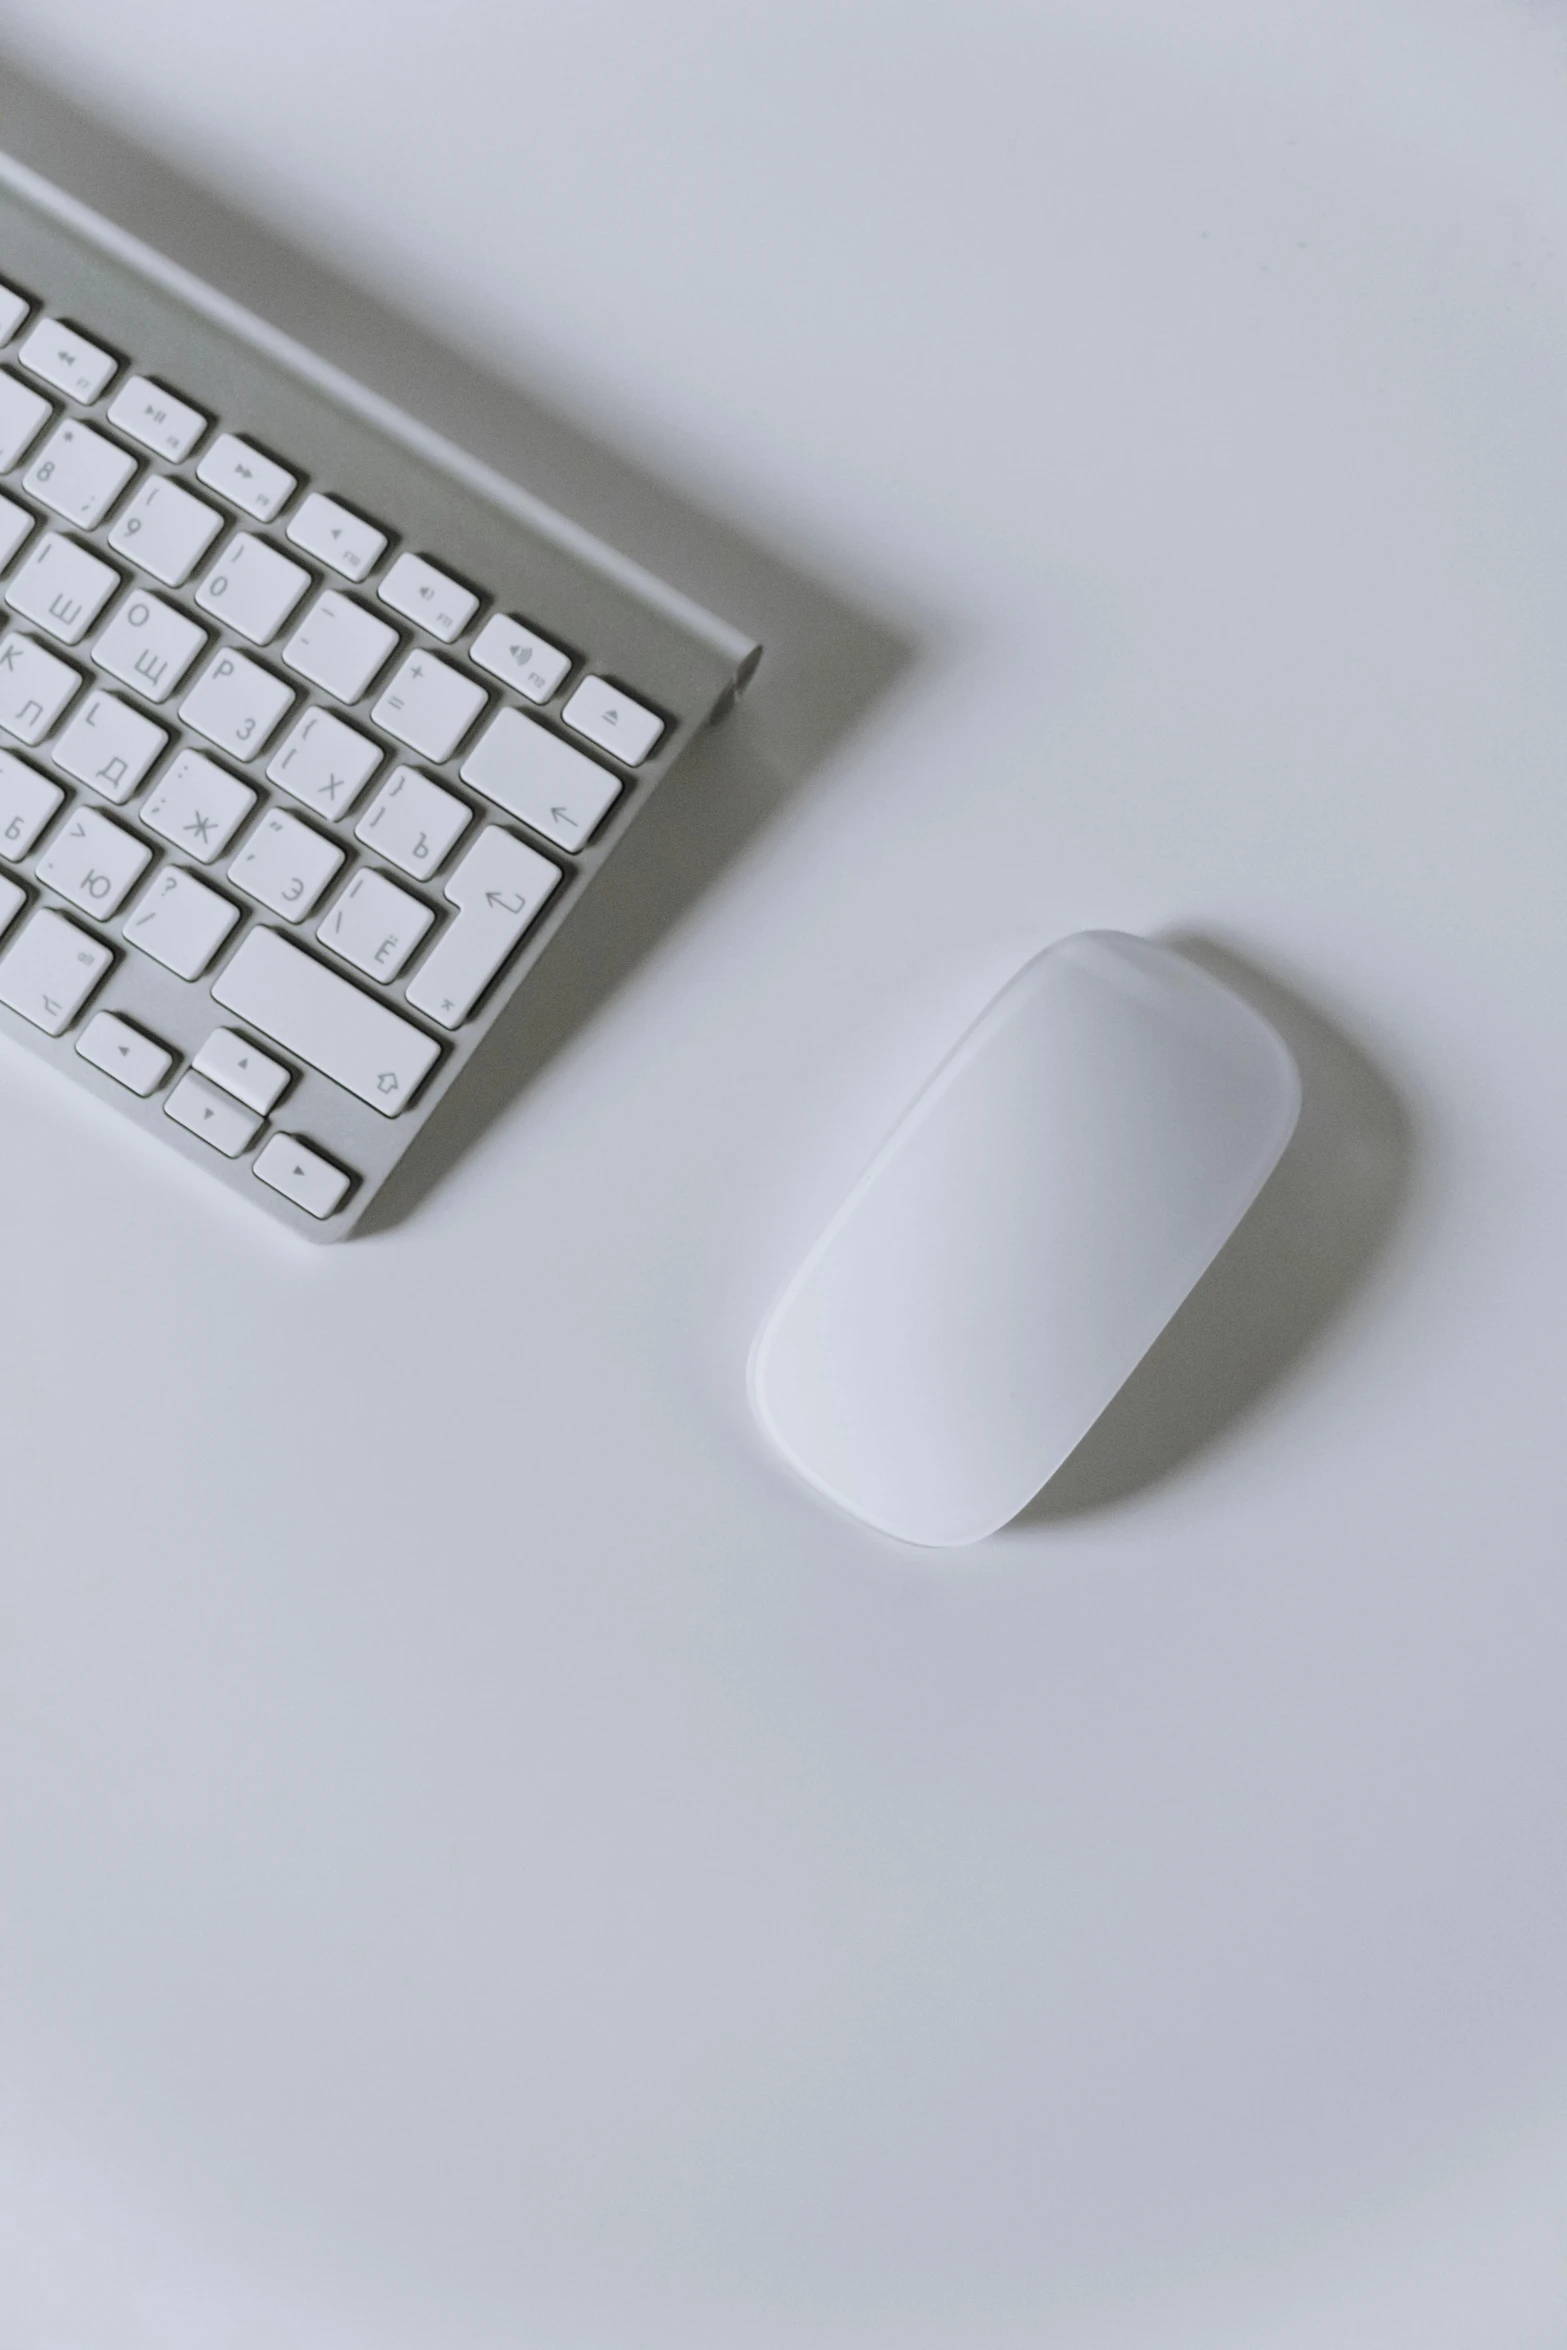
(314, 729)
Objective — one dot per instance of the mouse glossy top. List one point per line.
(1015, 1248)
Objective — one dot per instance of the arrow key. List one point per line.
(123, 1053)
(201, 1109)
(301, 1174)
(250, 1075)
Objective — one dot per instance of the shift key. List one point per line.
(276, 988)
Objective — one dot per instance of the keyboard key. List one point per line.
(252, 588)
(50, 969)
(375, 925)
(329, 1021)
(62, 587)
(198, 805)
(165, 530)
(243, 1070)
(92, 862)
(78, 474)
(520, 659)
(180, 922)
(334, 535)
(236, 705)
(109, 745)
(22, 417)
(247, 479)
(532, 773)
(27, 801)
(217, 1117)
(286, 865)
(145, 412)
(16, 524)
(58, 355)
(429, 706)
(324, 764)
(302, 1175)
(613, 720)
(499, 888)
(412, 823)
(13, 309)
(340, 646)
(34, 687)
(416, 589)
(149, 645)
(123, 1053)
(12, 899)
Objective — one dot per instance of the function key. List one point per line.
(613, 720)
(519, 658)
(302, 1175)
(22, 415)
(420, 592)
(145, 412)
(257, 484)
(13, 309)
(58, 355)
(333, 535)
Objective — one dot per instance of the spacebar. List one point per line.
(286, 994)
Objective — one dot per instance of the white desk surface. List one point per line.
(485, 1862)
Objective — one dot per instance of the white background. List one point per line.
(486, 1862)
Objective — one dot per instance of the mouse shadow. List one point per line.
(828, 657)
(1306, 1245)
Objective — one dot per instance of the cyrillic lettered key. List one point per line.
(109, 746)
(34, 687)
(412, 823)
(180, 922)
(237, 705)
(79, 474)
(217, 1117)
(500, 886)
(58, 355)
(16, 525)
(327, 1020)
(302, 1175)
(12, 899)
(533, 774)
(198, 805)
(334, 535)
(27, 801)
(149, 645)
(92, 861)
(62, 587)
(247, 479)
(50, 969)
(123, 1053)
(323, 763)
(286, 865)
(375, 925)
(145, 412)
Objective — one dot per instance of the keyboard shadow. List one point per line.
(1322, 1220)
(827, 658)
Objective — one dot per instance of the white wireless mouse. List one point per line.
(1016, 1247)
